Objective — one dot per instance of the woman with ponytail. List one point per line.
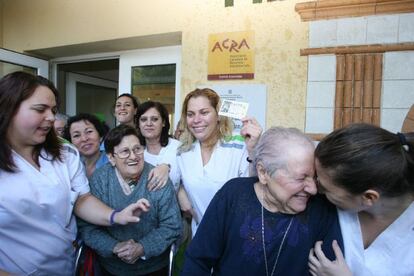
(368, 173)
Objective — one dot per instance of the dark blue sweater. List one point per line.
(229, 237)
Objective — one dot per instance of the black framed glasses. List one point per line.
(126, 152)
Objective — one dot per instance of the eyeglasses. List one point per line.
(125, 153)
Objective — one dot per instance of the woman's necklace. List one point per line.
(280, 246)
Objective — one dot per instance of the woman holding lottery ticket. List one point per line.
(210, 154)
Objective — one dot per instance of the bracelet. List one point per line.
(111, 218)
(248, 159)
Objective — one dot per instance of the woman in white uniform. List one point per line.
(42, 182)
(160, 149)
(210, 154)
(368, 173)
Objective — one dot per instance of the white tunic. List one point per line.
(227, 161)
(391, 253)
(167, 155)
(37, 226)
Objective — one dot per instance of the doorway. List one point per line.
(149, 74)
(89, 87)
(155, 83)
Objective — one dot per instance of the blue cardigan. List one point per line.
(229, 237)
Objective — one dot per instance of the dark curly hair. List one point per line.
(100, 126)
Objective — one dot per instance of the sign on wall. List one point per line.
(254, 94)
(231, 56)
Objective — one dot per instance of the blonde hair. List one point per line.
(225, 125)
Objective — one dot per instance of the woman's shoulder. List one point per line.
(320, 207)
(238, 185)
(172, 146)
(194, 148)
(69, 150)
(105, 171)
(70, 155)
(319, 201)
(173, 143)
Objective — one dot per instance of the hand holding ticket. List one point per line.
(233, 109)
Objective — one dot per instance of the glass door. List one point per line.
(86, 94)
(155, 83)
(153, 74)
(11, 62)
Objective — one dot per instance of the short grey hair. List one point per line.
(61, 117)
(273, 147)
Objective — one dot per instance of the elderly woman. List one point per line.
(132, 250)
(266, 225)
(86, 132)
(60, 123)
(368, 173)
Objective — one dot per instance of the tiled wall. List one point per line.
(397, 88)
(362, 30)
(398, 67)
(320, 100)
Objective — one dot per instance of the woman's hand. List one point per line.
(118, 246)
(251, 132)
(158, 177)
(132, 212)
(320, 265)
(4, 273)
(94, 211)
(129, 251)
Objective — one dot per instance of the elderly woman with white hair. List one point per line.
(60, 123)
(266, 225)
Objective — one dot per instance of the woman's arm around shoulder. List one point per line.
(89, 208)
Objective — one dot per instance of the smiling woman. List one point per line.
(368, 173)
(140, 249)
(125, 109)
(266, 225)
(86, 132)
(210, 154)
(153, 125)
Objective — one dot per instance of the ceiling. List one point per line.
(105, 69)
(105, 46)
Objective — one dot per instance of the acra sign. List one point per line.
(230, 45)
(231, 55)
